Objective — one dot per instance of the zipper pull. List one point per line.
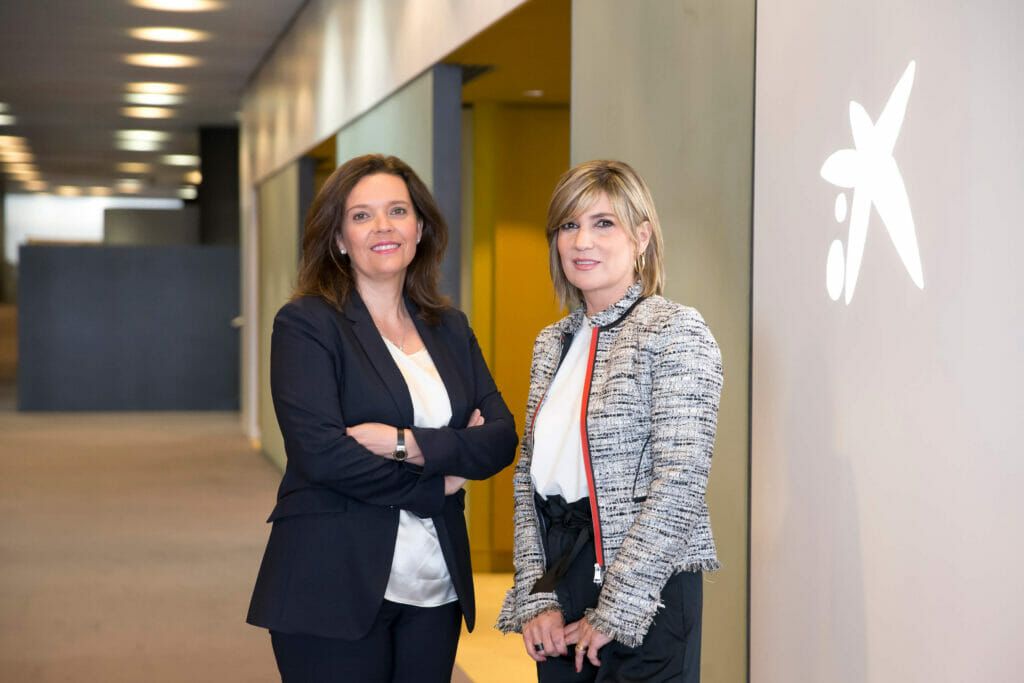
(597, 574)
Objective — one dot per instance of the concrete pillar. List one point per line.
(668, 87)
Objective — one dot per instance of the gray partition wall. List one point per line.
(127, 328)
(888, 356)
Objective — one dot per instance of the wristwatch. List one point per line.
(400, 453)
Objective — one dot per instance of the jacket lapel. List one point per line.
(379, 356)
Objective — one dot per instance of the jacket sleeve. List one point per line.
(520, 605)
(303, 383)
(685, 390)
(476, 452)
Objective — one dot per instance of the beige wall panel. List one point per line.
(668, 87)
(279, 255)
(340, 58)
(887, 515)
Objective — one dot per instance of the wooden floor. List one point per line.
(129, 543)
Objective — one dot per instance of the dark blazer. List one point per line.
(328, 559)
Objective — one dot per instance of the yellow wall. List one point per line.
(518, 153)
(278, 267)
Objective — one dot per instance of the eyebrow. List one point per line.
(601, 215)
(394, 202)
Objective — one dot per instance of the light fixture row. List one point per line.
(145, 100)
(124, 186)
(17, 159)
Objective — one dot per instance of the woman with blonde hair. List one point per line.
(611, 526)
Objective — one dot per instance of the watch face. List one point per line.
(400, 455)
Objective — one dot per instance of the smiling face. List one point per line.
(380, 228)
(598, 254)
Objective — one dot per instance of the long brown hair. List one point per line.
(327, 273)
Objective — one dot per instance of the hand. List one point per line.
(547, 630)
(475, 420)
(588, 641)
(381, 439)
(453, 484)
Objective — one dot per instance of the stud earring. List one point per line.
(342, 250)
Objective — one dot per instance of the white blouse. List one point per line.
(557, 465)
(419, 575)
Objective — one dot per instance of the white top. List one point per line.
(557, 465)
(419, 575)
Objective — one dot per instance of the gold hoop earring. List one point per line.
(641, 263)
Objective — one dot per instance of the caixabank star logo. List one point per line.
(871, 171)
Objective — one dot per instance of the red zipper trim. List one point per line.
(595, 517)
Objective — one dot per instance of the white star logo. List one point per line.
(871, 171)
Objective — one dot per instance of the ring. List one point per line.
(582, 648)
(538, 647)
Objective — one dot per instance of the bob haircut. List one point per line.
(327, 273)
(631, 201)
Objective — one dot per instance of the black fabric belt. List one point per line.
(573, 516)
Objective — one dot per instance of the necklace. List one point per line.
(401, 342)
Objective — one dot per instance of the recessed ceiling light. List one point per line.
(161, 60)
(128, 185)
(181, 159)
(533, 93)
(69, 191)
(34, 185)
(99, 191)
(180, 5)
(147, 112)
(152, 100)
(13, 142)
(155, 88)
(194, 177)
(13, 156)
(188, 192)
(133, 167)
(19, 167)
(24, 175)
(166, 34)
(147, 135)
(130, 145)
(7, 120)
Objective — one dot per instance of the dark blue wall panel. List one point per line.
(127, 328)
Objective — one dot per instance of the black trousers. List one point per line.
(406, 644)
(670, 652)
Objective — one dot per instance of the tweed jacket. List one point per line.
(651, 413)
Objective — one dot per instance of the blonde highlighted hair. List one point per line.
(577, 190)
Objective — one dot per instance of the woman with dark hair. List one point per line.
(387, 408)
(612, 533)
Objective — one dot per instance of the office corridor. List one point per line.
(128, 545)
